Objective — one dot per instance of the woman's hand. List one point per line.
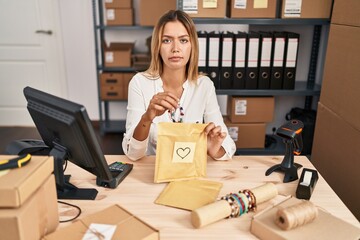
(160, 103)
(214, 140)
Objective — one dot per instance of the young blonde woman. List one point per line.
(171, 90)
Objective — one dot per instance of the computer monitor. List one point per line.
(66, 128)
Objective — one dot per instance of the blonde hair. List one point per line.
(156, 65)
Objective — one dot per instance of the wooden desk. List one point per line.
(138, 192)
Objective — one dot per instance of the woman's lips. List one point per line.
(175, 58)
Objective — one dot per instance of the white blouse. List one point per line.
(199, 104)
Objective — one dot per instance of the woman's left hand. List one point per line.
(214, 140)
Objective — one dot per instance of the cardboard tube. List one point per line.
(221, 209)
(264, 192)
(210, 213)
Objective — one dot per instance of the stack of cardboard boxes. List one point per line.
(258, 9)
(247, 118)
(28, 201)
(114, 86)
(336, 147)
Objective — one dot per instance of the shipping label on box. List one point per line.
(292, 8)
(240, 107)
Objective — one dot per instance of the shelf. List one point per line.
(243, 21)
(121, 27)
(117, 69)
(263, 21)
(113, 126)
(300, 90)
(275, 148)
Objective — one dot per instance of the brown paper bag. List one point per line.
(189, 194)
(181, 152)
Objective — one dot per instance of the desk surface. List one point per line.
(138, 192)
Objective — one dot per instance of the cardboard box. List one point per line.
(118, 3)
(334, 154)
(119, 16)
(340, 86)
(17, 185)
(250, 109)
(114, 86)
(252, 9)
(37, 216)
(247, 135)
(346, 12)
(325, 226)
(118, 54)
(151, 11)
(127, 225)
(306, 9)
(218, 10)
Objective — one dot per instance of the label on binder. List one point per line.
(240, 107)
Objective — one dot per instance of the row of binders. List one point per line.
(254, 60)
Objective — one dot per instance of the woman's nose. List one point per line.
(175, 47)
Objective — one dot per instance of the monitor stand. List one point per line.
(66, 190)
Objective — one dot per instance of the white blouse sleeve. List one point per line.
(136, 107)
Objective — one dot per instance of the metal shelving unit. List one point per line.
(306, 88)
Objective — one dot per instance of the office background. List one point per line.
(75, 34)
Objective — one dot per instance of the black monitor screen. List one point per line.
(66, 128)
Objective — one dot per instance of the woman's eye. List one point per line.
(184, 40)
(166, 40)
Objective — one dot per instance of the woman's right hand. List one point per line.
(160, 103)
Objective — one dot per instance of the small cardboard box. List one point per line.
(149, 17)
(253, 9)
(247, 135)
(118, 3)
(306, 9)
(119, 16)
(325, 226)
(250, 109)
(114, 86)
(141, 61)
(346, 13)
(36, 217)
(207, 9)
(17, 185)
(127, 225)
(118, 54)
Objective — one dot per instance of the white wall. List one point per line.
(79, 52)
(79, 48)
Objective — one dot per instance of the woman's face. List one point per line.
(175, 47)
